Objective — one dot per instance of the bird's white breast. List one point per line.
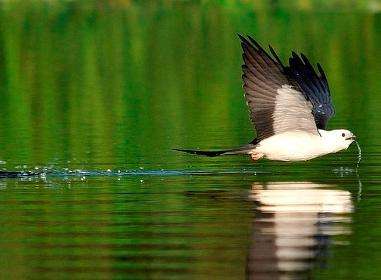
(292, 146)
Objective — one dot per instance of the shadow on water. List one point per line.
(293, 227)
(17, 174)
(295, 224)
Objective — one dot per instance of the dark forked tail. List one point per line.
(236, 151)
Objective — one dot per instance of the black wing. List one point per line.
(275, 101)
(314, 86)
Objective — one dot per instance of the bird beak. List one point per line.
(353, 137)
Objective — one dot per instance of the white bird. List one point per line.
(289, 108)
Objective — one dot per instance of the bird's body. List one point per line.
(295, 146)
(289, 106)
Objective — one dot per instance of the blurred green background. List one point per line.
(126, 81)
(97, 93)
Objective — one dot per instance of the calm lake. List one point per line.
(95, 96)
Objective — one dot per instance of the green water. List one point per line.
(95, 96)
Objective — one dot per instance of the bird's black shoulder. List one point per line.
(314, 86)
(267, 82)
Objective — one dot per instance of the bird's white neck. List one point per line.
(329, 141)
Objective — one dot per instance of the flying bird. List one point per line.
(289, 107)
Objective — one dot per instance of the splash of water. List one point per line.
(359, 192)
(359, 154)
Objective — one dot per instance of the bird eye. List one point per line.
(343, 134)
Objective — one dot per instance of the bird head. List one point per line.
(338, 139)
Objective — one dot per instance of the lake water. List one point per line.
(95, 96)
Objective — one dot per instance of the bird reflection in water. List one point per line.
(293, 226)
